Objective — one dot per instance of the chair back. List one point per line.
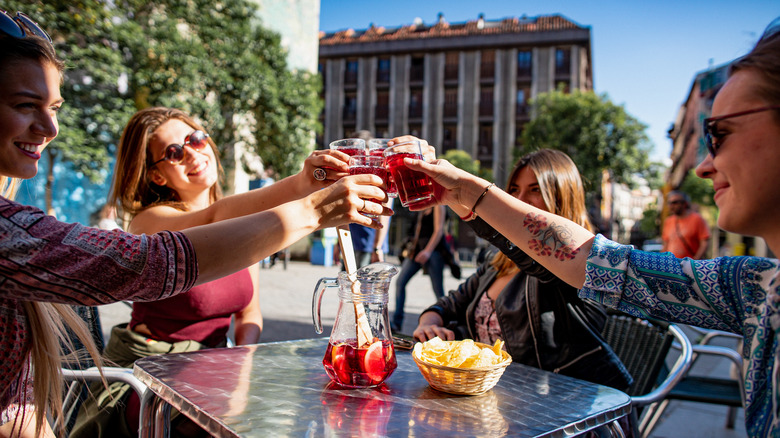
(642, 346)
(82, 360)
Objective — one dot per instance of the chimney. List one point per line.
(481, 21)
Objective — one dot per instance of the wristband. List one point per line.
(469, 217)
(473, 209)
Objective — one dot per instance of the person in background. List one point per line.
(736, 294)
(424, 251)
(685, 233)
(507, 298)
(48, 265)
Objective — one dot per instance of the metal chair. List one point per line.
(704, 389)
(643, 345)
(79, 373)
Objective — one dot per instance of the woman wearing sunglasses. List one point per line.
(45, 265)
(167, 177)
(737, 294)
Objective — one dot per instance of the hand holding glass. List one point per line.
(361, 164)
(413, 187)
(376, 147)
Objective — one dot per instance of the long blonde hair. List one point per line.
(562, 192)
(48, 322)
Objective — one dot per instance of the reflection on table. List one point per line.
(281, 389)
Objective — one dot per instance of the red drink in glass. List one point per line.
(362, 164)
(354, 367)
(412, 186)
(350, 146)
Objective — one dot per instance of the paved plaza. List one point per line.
(286, 300)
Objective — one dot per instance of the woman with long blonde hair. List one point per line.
(47, 265)
(539, 317)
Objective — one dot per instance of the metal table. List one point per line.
(281, 389)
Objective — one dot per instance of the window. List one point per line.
(485, 142)
(383, 70)
(451, 61)
(563, 62)
(451, 102)
(415, 130)
(524, 63)
(449, 139)
(350, 74)
(417, 71)
(487, 68)
(382, 105)
(415, 102)
(523, 94)
(486, 101)
(350, 106)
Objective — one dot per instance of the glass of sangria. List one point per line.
(350, 146)
(413, 187)
(360, 164)
(376, 147)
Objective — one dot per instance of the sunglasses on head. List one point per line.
(710, 125)
(20, 25)
(174, 153)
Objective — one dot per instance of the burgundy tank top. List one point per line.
(202, 314)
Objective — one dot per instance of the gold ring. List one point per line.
(364, 206)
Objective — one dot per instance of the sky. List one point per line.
(645, 54)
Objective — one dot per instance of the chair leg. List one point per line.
(652, 416)
(731, 417)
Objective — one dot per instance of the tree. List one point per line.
(462, 160)
(95, 109)
(597, 134)
(216, 62)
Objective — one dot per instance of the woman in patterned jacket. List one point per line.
(46, 264)
(738, 294)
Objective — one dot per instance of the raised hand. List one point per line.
(346, 201)
(321, 169)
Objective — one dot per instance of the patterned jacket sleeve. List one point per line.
(47, 260)
(726, 293)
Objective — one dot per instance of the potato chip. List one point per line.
(497, 347)
(458, 354)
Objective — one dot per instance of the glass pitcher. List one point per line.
(360, 352)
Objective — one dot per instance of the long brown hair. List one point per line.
(562, 191)
(47, 322)
(132, 189)
(764, 59)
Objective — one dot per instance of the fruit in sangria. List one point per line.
(412, 186)
(354, 367)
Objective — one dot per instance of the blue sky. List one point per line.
(645, 53)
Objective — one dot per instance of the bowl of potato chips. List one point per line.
(461, 367)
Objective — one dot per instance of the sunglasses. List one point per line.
(710, 125)
(20, 25)
(174, 153)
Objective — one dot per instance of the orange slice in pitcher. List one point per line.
(375, 361)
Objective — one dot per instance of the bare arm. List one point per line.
(248, 323)
(228, 246)
(291, 188)
(559, 244)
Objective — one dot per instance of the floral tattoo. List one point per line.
(549, 239)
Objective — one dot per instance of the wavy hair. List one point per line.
(48, 322)
(562, 192)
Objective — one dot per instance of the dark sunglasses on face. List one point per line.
(710, 125)
(20, 25)
(174, 153)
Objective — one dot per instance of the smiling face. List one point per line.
(29, 101)
(525, 187)
(197, 172)
(744, 170)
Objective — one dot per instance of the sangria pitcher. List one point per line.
(360, 352)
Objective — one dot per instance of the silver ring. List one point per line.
(320, 174)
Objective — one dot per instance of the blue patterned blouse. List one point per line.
(736, 294)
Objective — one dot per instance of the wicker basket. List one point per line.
(470, 381)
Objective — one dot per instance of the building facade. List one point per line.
(460, 86)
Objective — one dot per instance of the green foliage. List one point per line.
(699, 189)
(462, 160)
(650, 224)
(216, 62)
(95, 110)
(597, 134)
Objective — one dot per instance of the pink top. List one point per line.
(201, 314)
(44, 259)
(486, 321)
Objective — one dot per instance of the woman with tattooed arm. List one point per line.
(737, 294)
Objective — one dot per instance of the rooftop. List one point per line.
(480, 26)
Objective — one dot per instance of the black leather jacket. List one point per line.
(543, 321)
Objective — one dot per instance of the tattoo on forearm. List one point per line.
(549, 239)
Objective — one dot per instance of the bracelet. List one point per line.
(473, 209)
(469, 217)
